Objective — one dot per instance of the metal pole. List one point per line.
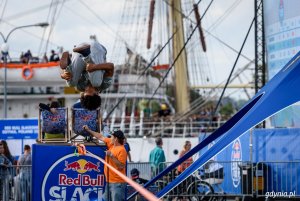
(251, 146)
(4, 50)
(5, 85)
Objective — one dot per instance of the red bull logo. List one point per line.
(236, 158)
(82, 166)
(89, 166)
(55, 118)
(81, 179)
(86, 117)
(72, 166)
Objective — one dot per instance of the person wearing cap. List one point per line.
(88, 72)
(135, 176)
(157, 158)
(116, 156)
(164, 110)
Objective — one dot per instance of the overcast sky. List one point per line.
(76, 20)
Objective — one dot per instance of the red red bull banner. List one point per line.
(59, 174)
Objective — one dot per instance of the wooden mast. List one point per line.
(181, 76)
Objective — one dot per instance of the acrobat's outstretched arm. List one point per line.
(93, 133)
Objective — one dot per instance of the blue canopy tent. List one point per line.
(280, 92)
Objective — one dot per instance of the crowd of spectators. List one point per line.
(27, 57)
(163, 121)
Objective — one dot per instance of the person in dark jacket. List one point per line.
(135, 176)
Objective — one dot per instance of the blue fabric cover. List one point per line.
(280, 92)
(83, 117)
(54, 123)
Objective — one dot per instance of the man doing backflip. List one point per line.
(88, 71)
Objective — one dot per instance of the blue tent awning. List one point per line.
(280, 92)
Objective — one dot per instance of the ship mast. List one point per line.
(181, 81)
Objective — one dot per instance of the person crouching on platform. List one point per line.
(116, 156)
(88, 72)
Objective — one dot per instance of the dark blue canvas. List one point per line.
(280, 92)
(54, 123)
(83, 117)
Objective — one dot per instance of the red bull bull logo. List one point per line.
(80, 179)
(86, 117)
(55, 118)
(82, 166)
(72, 166)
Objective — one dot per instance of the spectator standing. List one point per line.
(22, 58)
(54, 56)
(116, 156)
(24, 169)
(164, 110)
(4, 174)
(186, 148)
(27, 56)
(157, 158)
(127, 147)
(7, 152)
(12, 160)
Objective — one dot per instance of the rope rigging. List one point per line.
(234, 65)
(101, 20)
(55, 16)
(170, 67)
(3, 10)
(44, 32)
(31, 11)
(149, 65)
(225, 15)
(212, 94)
(181, 50)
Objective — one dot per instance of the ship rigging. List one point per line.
(147, 68)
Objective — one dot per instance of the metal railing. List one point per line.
(15, 183)
(215, 180)
(132, 127)
(230, 179)
(209, 182)
(201, 185)
(277, 180)
(139, 127)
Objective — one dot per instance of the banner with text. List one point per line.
(19, 128)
